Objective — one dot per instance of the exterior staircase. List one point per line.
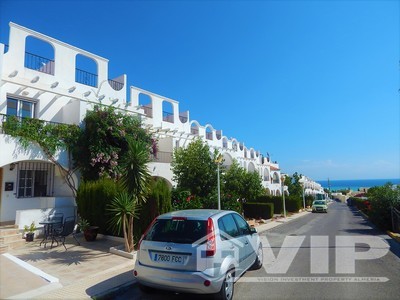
(10, 238)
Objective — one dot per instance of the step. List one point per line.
(9, 231)
(6, 239)
(3, 248)
(12, 245)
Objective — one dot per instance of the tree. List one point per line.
(240, 184)
(103, 141)
(294, 186)
(135, 178)
(194, 168)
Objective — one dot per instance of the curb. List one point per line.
(395, 236)
(116, 291)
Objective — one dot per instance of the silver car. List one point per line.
(197, 251)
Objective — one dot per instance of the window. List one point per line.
(242, 225)
(21, 108)
(228, 227)
(35, 179)
(177, 231)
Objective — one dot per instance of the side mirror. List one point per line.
(253, 230)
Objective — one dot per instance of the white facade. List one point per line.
(311, 187)
(56, 89)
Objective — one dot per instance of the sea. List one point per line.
(356, 184)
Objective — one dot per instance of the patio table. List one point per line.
(49, 226)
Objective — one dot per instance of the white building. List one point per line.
(48, 79)
(310, 186)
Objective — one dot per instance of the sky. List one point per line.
(313, 83)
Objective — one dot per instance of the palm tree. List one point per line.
(135, 180)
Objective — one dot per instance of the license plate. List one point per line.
(169, 258)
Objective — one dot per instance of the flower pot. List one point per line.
(91, 233)
(29, 236)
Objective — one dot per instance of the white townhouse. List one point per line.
(310, 186)
(47, 79)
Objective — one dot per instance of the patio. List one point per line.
(71, 267)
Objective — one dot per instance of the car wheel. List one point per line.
(259, 259)
(226, 292)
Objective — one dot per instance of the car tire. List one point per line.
(259, 259)
(227, 288)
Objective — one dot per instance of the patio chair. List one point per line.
(67, 229)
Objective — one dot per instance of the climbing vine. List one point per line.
(50, 137)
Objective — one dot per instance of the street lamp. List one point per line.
(218, 161)
(283, 196)
(304, 199)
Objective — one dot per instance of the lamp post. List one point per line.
(283, 196)
(304, 199)
(218, 161)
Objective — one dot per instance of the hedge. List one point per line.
(259, 210)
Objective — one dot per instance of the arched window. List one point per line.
(39, 55)
(209, 133)
(234, 145)
(86, 70)
(168, 112)
(146, 104)
(224, 143)
(194, 129)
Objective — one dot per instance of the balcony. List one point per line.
(85, 77)
(46, 65)
(20, 120)
(39, 63)
(168, 117)
(162, 157)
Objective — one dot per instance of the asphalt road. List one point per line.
(314, 257)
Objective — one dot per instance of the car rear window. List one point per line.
(179, 231)
(319, 202)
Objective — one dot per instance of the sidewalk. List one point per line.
(81, 272)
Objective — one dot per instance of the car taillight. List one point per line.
(145, 233)
(210, 245)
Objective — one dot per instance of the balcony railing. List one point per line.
(168, 117)
(85, 77)
(183, 119)
(116, 85)
(39, 63)
(148, 111)
(3, 121)
(209, 135)
(162, 157)
(194, 130)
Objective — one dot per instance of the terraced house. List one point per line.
(47, 79)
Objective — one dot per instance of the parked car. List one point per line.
(320, 206)
(197, 251)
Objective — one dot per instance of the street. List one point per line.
(311, 241)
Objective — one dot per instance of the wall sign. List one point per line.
(9, 186)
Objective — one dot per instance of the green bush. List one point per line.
(258, 210)
(360, 203)
(92, 200)
(157, 203)
(293, 203)
(275, 200)
(382, 199)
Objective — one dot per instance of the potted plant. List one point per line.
(90, 232)
(30, 231)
